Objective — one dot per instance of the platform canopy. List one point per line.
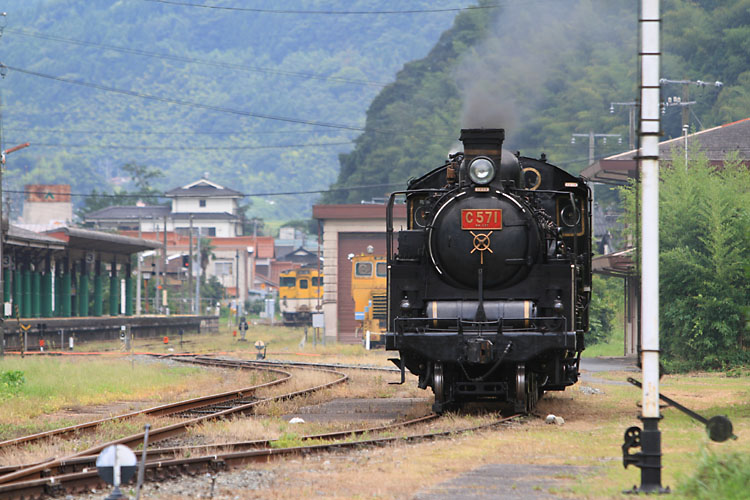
(19, 237)
(98, 241)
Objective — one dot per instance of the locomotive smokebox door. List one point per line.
(479, 351)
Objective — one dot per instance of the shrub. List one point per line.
(11, 382)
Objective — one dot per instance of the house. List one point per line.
(211, 209)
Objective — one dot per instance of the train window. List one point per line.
(317, 281)
(363, 269)
(381, 270)
(303, 284)
(287, 281)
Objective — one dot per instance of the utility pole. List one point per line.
(138, 259)
(198, 279)
(684, 101)
(157, 287)
(592, 141)
(190, 266)
(632, 106)
(166, 262)
(3, 231)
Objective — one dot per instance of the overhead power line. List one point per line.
(247, 195)
(219, 64)
(183, 102)
(189, 148)
(157, 132)
(325, 12)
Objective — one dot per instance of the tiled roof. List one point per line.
(203, 188)
(128, 212)
(714, 142)
(202, 215)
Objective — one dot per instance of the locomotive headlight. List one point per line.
(481, 171)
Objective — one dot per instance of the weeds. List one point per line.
(725, 476)
(10, 383)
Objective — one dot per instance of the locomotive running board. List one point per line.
(400, 364)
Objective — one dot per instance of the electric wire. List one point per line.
(183, 102)
(190, 148)
(325, 12)
(246, 195)
(157, 132)
(218, 64)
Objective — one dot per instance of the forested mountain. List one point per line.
(261, 100)
(275, 101)
(545, 71)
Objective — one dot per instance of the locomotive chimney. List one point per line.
(488, 142)
(483, 142)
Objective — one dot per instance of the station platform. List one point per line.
(57, 331)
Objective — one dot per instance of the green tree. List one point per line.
(704, 246)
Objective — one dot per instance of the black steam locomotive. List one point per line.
(490, 280)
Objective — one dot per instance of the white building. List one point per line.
(214, 210)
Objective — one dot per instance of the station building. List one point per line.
(349, 229)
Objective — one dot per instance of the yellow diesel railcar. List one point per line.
(369, 276)
(300, 293)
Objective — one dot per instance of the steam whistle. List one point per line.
(719, 429)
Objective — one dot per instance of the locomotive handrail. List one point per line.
(389, 214)
(389, 231)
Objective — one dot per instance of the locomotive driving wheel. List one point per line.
(527, 390)
(441, 387)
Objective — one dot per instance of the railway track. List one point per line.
(159, 468)
(48, 468)
(180, 407)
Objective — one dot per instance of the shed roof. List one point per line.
(364, 211)
(714, 142)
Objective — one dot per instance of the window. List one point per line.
(316, 281)
(211, 231)
(223, 268)
(303, 284)
(363, 269)
(289, 281)
(201, 203)
(381, 270)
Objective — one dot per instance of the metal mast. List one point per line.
(649, 166)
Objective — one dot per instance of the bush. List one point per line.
(704, 245)
(724, 476)
(606, 302)
(11, 382)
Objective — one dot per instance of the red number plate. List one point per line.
(487, 218)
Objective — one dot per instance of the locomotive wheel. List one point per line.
(527, 390)
(441, 387)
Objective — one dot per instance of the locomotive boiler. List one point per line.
(489, 283)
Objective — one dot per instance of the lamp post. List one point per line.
(632, 106)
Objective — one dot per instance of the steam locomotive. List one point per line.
(490, 281)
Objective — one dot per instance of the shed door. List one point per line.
(355, 243)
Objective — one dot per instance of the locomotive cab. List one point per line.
(489, 283)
